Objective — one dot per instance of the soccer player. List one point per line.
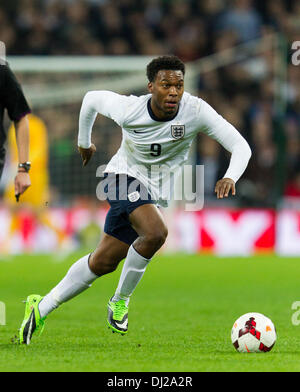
(158, 128)
(12, 99)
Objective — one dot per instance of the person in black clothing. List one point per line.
(13, 100)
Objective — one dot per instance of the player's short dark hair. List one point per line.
(164, 62)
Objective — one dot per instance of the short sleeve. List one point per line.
(13, 97)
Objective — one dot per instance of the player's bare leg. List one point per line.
(107, 255)
(148, 222)
(80, 276)
(84, 272)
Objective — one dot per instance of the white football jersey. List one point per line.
(151, 149)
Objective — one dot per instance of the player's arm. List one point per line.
(22, 179)
(108, 104)
(224, 187)
(18, 108)
(226, 134)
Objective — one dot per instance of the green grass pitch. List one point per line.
(180, 316)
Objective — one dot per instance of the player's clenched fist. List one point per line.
(22, 182)
(223, 188)
(86, 153)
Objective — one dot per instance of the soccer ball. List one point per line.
(253, 333)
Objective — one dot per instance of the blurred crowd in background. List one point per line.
(187, 28)
(190, 29)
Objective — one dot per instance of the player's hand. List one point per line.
(22, 182)
(223, 188)
(86, 153)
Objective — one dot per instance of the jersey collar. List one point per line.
(152, 115)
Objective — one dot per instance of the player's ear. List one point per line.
(150, 87)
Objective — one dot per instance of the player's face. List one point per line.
(166, 90)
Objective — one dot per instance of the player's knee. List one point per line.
(164, 233)
(157, 238)
(105, 267)
(102, 265)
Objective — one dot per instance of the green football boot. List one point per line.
(32, 320)
(117, 317)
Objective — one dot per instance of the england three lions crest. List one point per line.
(177, 131)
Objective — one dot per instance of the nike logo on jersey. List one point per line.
(123, 325)
(140, 131)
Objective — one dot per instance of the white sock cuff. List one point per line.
(81, 272)
(137, 255)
